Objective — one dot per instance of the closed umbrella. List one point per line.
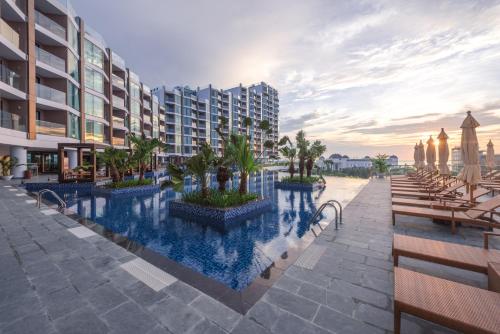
(421, 157)
(444, 153)
(490, 156)
(416, 155)
(471, 173)
(431, 155)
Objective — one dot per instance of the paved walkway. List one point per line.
(53, 282)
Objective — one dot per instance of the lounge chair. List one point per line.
(473, 216)
(464, 308)
(445, 253)
(450, 191)
(441, 202)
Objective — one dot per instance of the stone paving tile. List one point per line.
(129, 318)
(216, 312)
(175, 315)
(348, 291)
(292, 303)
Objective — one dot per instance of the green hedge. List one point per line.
(130, 183)
(296, 179)
(217, 199)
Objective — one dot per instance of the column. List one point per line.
(72, 158)
(21, 154)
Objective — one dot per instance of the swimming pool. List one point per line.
(235, 257)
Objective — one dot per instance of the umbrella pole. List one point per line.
(471, 190)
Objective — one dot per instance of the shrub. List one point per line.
(130, 183)
(296, 179)
(219, 199)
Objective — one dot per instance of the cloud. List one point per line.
(378, 74)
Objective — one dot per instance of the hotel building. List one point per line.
(193, 115)
(61, 83)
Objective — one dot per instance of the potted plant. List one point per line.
(7, 164)
(380, 165)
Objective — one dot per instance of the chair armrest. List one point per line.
(486, 235)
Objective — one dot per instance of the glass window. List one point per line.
(73, 126)
(73, 96)
(94, 80)
(72, 36)
(93, 54)
(135, 124)
(94, 105)
(177, 99)
(94, 131)
(135, 91)
(135, 108)
(73, 66)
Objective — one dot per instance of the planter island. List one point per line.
(219, 217)
(307, 184)
(130, 187)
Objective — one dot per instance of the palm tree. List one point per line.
(223, 163)
(142, 149)
(117, 161)
(198, 165)
(313, 153)
(290, 153)
(240, 149)
(302, 146)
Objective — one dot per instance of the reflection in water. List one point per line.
(234, 257)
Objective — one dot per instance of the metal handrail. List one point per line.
(331, 203)
(62, 204)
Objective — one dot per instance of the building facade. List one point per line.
(61, 83)
(193, 116)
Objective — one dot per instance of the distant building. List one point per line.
(337, 162)
(392, 160)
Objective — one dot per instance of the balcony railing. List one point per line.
(50, 128)
(9, 33)
(118, 81)
(119, 102)
(118, 61)
(10, 77)
(147, 133)
(120, 141)
(50, 94)
(50, 59)
(50, 25)
(12, 121)
(118, 122)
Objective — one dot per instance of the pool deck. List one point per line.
(55, 282)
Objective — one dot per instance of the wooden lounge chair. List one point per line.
(473, 216)
(445, 253)
(464, 308)
(441, 202)
(452, 190)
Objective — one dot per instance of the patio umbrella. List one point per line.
(416, 156)
(490, 156)
(431, 155)
(471, 173)
(421, 156)
(444, 153)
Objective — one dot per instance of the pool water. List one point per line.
(234, 257)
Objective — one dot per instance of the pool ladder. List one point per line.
(62, 204)
(338, 212)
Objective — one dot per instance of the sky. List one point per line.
(364, 77)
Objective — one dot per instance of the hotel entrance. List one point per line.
(46, 161)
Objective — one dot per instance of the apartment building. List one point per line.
(60, 82)
(193, 115)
